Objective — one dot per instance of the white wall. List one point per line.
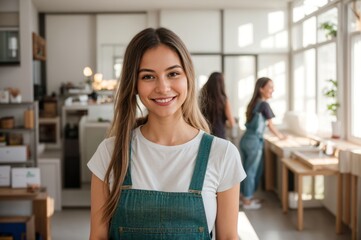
(21, 76)
(255, 31)
(70, 48)
(114, 32)
(199, 29)
(9, 5)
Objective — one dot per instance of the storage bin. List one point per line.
(7, 122)
(13, 154)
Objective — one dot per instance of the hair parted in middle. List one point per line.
(125, 106)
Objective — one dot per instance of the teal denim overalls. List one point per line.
(251, 149)
(147, 214)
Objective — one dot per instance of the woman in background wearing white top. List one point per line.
(162, 176)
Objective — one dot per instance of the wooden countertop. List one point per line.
(316, 159)
(283, 148)
(7, 193)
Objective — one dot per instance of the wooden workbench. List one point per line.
(274, 147)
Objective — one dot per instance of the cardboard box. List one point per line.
(22, 177)
(5, 176)
(50, 109)
(13, 154)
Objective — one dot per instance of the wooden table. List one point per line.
(43, 207)
(300, 170)
(274, 147)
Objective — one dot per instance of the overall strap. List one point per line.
(201, 164)
(257, 106)
(127, 184)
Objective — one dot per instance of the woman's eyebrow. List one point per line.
(167, 69)
(174, 66)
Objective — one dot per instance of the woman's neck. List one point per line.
(168, 132)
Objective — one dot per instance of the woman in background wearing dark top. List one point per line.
(258, 115)
(215, 105)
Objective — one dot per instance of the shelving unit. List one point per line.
(32, 134)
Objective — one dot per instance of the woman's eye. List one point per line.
(147, 77)
(173, 74)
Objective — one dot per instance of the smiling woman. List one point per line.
(162, 176)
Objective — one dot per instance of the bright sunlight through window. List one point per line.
(245, 35)
(276, 22)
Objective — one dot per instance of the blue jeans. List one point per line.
(251, 148)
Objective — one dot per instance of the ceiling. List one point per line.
(68, 6)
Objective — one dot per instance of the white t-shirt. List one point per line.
(170, 168)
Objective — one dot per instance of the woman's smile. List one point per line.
(164, 101)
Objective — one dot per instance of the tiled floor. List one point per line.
(269, 223)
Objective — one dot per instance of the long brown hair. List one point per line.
(213, 98)
(126, 104)
(260, 83)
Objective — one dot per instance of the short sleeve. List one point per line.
(99, 162)
(232, 169)
(266, 110)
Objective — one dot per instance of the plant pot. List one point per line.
(336, 129)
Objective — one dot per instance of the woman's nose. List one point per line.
(162, 85)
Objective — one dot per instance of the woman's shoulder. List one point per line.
(263, 104)
(223, 146)
(107, 144)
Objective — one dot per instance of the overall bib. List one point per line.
(148, 214)
(251, 148)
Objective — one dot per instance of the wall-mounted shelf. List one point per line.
(16, 130)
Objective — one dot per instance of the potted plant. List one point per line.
(330, 29)
(332, 106)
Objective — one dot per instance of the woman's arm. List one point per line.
(229, 115)
(99, 194)
(275, 131)
(227, 214)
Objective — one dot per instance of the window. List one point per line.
(204, 65)
(240, 86)
(275, 67)
(326, 70)
(355, 86)
(309, 32)
(314, 59)
(327, 25)
(304, 82)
